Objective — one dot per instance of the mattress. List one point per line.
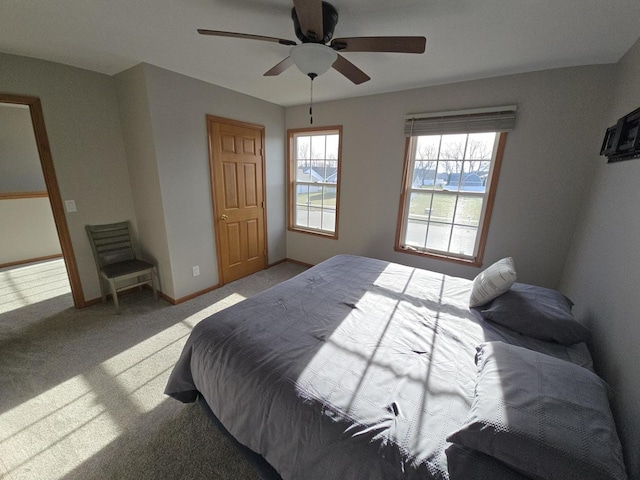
(356, 368)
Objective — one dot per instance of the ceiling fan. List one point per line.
(314, 22)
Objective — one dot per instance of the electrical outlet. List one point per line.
(196, 270)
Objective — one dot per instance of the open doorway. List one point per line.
(51, 185)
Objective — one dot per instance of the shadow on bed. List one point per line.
(279, 351)
(257, 461)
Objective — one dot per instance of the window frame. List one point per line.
(485, 216)
(292, 180)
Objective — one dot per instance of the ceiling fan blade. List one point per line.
(349, 70)
(309, 14)
(280, 67)
(218, 33)
(380, 44)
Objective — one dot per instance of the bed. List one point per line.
(360, 368)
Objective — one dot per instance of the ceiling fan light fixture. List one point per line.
(313, 59)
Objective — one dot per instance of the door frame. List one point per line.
(51, 183)
(211, 119)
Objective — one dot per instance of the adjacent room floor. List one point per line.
(32, 283)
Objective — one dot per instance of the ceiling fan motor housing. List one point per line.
(329, 21)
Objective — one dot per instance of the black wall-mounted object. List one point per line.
(622, 140)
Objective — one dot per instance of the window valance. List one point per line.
(493, 119)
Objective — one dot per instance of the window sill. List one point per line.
(471, 262)
(332, 236)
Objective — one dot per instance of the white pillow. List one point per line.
(492, 282)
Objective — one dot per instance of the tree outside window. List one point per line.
(448, 192)
(314, 180)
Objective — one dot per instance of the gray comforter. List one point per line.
(357, 368)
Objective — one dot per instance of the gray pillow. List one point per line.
(545, 417)
(537, 312)
(465, 464)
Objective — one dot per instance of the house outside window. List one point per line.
(449, 184)
(314, 180)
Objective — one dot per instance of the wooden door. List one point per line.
(237, 168)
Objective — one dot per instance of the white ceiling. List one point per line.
(466, 39)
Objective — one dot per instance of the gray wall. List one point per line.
(543, 180)
(164, 172)
(602, 273)
(20, 169)
(131, 87)
(175, 132)
(83, 125)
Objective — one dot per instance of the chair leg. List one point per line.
(154, 284)
(114, 294)
(103, 292)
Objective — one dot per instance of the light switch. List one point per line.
(70, 205)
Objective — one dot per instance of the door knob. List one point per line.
(223, 217)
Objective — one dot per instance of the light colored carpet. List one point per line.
(81, 391)
(30, 284)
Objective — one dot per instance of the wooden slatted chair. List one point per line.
(116, 260)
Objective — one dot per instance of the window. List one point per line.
(314, 180)
(450, 180)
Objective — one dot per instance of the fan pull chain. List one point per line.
(311, 76)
